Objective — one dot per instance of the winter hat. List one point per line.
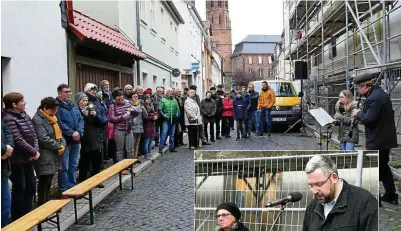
(230, 207)
(212, 88)
(147, 91)
(79, 96)
(193, 87)
(90, 86)
(219, 86)
(146, 96)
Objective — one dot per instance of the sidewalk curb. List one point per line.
(106, 192)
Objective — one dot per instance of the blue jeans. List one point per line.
(252, 119)
(265, 114)
(69, 164)
(346, 146)
(170, 128)
(147, 146)
(5, 201)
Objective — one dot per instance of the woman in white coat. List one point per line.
(193, 119)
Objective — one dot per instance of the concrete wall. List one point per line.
(35, 42)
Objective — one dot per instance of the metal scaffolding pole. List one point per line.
(347, 77)
(385, 49)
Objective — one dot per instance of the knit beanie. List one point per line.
(146, 97)
(230, 207)
(79, 96)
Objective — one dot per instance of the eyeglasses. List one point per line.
(223, 215)
(319, 184)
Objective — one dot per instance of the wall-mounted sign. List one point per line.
(195, 67)
(175, 72)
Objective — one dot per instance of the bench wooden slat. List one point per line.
(83, 187)
(36, 216)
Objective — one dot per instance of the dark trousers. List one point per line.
(193, 136)
(158, 131)
(218, 121)
(112, 150)
(240, 128)
(44, 186)
(87, 158)
(23, 190)
(226, 125)
(231, 122)
(211, 125)
(385, 174)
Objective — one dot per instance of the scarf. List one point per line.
(53, 121)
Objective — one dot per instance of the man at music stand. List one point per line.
(337, 204)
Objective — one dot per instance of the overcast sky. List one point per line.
(251, 17)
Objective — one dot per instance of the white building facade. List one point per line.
(33, 50)
(216, 68)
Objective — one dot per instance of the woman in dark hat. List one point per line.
(228, 218)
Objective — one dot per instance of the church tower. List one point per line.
(218, 16)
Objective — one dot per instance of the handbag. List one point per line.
(110, 127)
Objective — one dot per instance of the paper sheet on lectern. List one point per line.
(321, 116)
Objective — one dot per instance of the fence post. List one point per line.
(359, 167)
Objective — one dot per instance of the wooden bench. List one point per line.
(38, 216)
(79, 191)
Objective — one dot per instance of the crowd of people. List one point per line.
(67, 134)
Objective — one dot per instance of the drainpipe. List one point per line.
(138, 38)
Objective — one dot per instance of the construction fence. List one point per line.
(251, 182)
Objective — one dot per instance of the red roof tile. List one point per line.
(86, 27)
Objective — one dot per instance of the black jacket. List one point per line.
(6, 139)
(356, 210)
(239, 226)
(378, 117)
(219, 105)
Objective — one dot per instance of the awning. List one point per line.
(85, 27)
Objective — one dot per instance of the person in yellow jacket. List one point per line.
(267, 99)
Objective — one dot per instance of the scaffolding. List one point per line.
(314, 32)
(250, 179)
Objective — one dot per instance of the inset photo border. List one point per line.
(252, 179)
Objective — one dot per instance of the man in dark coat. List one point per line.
(219, 110)
(156, 99)
(337, 205)
(208, 109)
(253, 118)
(7, 145)
(378, 117)
(201, 128)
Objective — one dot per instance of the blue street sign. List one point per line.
(195, 67)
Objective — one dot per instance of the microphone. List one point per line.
(292, 197)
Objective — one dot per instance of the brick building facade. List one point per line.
(253, 57)
(217, 14)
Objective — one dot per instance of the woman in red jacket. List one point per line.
(227, 114)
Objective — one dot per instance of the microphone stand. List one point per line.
(277, 217)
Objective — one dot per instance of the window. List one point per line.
(220, 21)
(227, 3)
(333, 49)
(154, 82)
(171, 33)
(162, 23)
(260, 72)
(144, 79)
(270, 74)
(250, 60)
(176, 38)
(270, 60)
(219, 3)
(250, 71)
(143, 10)
(152, 14)
(260, 59)
(164, 83)
(212, 19)
(212, 3)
